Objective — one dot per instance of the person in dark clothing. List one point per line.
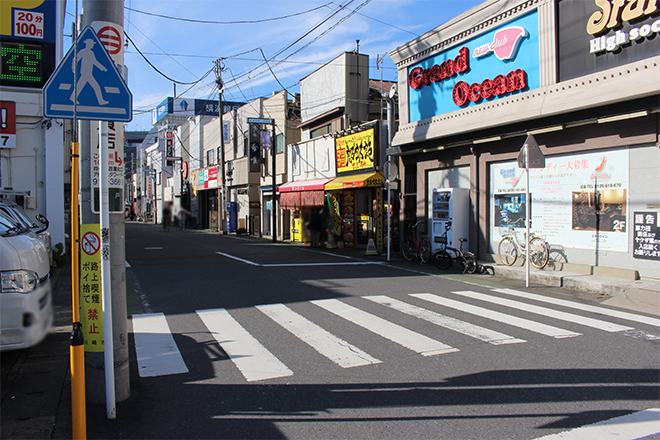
(167, 218)
(316, 226)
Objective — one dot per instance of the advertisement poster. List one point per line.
(91, 298)
(578, 200)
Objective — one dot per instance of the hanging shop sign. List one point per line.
(356, 151)
(488, 67)
(577, 200)
(602, 34)
(255, 148)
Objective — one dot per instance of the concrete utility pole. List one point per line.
(108, 12)
(222, 194)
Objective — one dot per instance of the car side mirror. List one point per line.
(41, 219)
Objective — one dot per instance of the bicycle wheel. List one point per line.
(538, 252)
(469, 263)
(408, 249)
(425, 249)
(507, 251)
(442, 260)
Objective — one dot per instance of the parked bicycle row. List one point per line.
(444, 257)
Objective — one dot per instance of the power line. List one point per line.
(264, 20)
(161, 73)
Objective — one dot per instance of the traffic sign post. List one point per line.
(530, 157)
(87, 85)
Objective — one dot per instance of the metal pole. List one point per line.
(273, 211)
(77, 342)
(77, 339)
(527, 212)
(222, 195)
(106, 278)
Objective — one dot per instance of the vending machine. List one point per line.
(450, 204)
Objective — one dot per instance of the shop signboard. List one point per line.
(27, 40)
(493, 65)
(646, 235)
(356, 151)
(578, 200)
(598, 35)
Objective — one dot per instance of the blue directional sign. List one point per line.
(99, 91)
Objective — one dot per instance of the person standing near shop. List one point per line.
(316, 226)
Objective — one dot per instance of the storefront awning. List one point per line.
(303, 185)
(357, 181)
(293, 195)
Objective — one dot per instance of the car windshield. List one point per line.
(19, 214)
(8, 226)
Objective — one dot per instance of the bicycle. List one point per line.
(509, 247)
(443, 259)
(412, 249)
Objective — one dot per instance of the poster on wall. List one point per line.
(578, 200)
(646, 235)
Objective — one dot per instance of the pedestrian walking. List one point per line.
(167, 217)
(316, 226)
(183, 218)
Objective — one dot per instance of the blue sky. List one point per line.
(183, 38)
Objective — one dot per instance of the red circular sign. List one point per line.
(111, 39)
(90, 243)
(184, 170)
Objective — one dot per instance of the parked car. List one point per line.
(15, 212)
(26, 308)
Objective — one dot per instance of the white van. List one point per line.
(26, 307)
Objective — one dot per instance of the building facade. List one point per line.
(582, 78)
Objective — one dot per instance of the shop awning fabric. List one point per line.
(293, 195)
(303, 185)
(357, 181)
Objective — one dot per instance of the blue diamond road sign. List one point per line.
(99, 90)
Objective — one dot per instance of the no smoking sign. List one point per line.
(90, 243)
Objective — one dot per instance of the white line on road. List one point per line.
(253, 360)
(337, 350)
(238, 259)
(633, 426)
(472, 330)
(515, 321)
(351, 263)
(556, 314)
(586, 307)
(395, 333)
(157, 353)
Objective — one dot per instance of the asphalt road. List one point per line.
(282, 341)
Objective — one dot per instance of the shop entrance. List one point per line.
(363, 215)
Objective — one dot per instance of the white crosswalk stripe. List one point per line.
(337, 350)
(475, 331)
(526, 324)
(395, 333)
(253, 360)
(585, 307)
(155, 348)
(158, 354)
(563, 316)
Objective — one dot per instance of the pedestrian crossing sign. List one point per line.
(87, 85)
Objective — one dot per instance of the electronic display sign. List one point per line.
(27, 43)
